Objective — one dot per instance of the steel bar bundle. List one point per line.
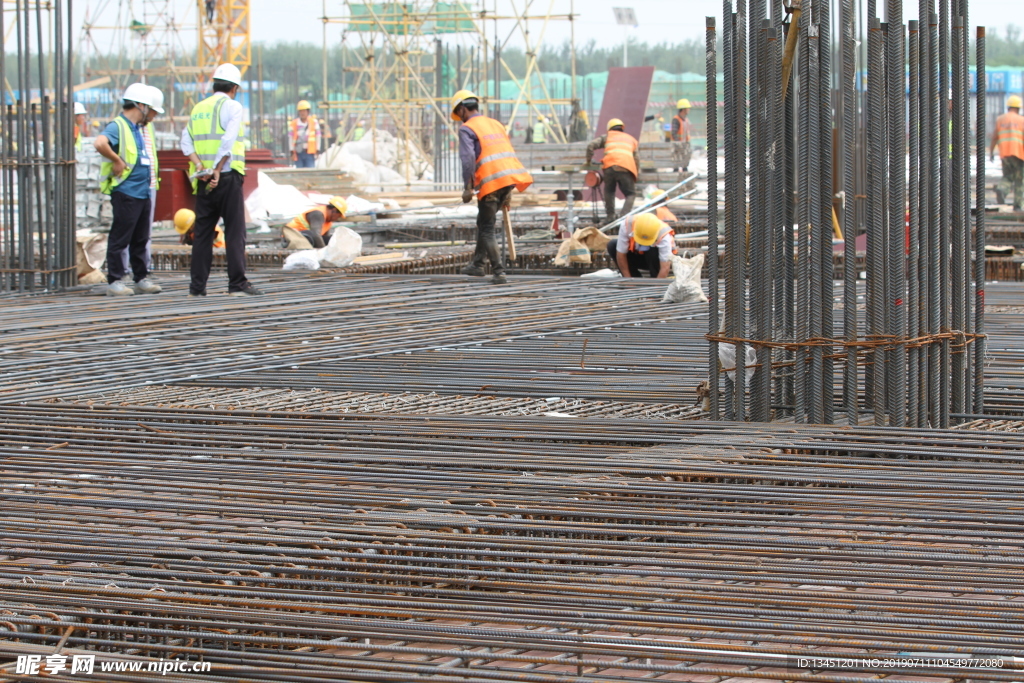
(910, 347)
(37, 149)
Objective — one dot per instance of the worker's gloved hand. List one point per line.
(467, 195)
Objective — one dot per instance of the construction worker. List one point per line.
(267, 136)
(315, 224)
(217, 168)
(360, 131)
(149, 140)
(540, 131)
(645, 242)
(489, 164)
(125, 175)
(682, 130)
(1009, 137)
(184, 225)
(80, 116)
(339, 132)
(304, 133)
(621, 164)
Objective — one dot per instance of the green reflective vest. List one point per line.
(206, 132)
(127, 150)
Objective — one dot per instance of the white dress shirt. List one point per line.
(231, 114)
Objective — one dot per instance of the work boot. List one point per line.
(147, 286)
(1000, 197)
(118, 288)
(471, 269)
(248, 290)
(499, 279)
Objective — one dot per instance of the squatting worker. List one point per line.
(644, 242)
(489, 164)
(681, 134)
(125, 176)
(211, 143)
(621, 164)
(1009, 137)
(305, 135)
(315, 224)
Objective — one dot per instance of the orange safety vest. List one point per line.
(300, 222)
(1010, 135)
(665, 230)
(312, 126)
(684, 128)
(497, 165)
(618, 151)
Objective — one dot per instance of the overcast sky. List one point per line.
(659, 20)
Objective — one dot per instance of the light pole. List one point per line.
(625, 16)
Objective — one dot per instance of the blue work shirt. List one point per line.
(137, 183)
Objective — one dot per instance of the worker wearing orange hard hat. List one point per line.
(645, 242)
(1008, 136)
(305, 135)
(681, 133)
(490, 166)
(315, 224)
(621, 164)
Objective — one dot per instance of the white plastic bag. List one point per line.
(302, 260)
(685, 286)
(344, 247)
(727, 357)
(604, 273)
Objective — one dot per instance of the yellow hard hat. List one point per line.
(683, 104)
(1013, 101)
(646, 227)
(615, 122)
(303, 104)
(339, 203)
(457, 99)
(183, 220)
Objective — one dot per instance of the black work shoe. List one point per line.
(475, 271)
(196, 295)
(248, 290)
(499, 279)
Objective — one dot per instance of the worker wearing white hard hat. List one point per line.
(682, 130)
(149, 139)
(125, 175)
(80, 115)
(305, 135)
(217, 167)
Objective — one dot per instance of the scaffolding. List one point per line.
(406, 71)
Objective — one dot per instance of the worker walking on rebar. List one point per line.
(315, 224)
(621, 164)
(645, 242)
(305, 135)
(681, 133)
(1008, 136)
(125, 175)
(489, 165)
(217, 168)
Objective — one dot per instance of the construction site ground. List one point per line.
(364, 477)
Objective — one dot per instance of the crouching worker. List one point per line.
(185, 224)
(315, 225)
(645, 243)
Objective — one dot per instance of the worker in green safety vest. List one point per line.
(217, 167)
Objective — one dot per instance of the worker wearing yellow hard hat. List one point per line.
(621, 164)
(490, 166)
(1008, 136)
(314, 225)
(645, 242)
(305, 136)
(682, 130)
(184, 225)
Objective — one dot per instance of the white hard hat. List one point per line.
(229, 73)
(138, 92)
(158, 99)
(80, 109)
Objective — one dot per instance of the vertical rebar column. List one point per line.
(895, 273)
(914, 208)
(740, 216)
(924, 263)
(965, 183)
(979, 227)
(711, 70)
(875, 224)
(776, 193)
(823, 20)
(728, 135)
(931, 145)
(851, 388)
(760, 229)
(956, 227)
(945, 188)
(788, 273)
(803, 261)
(812, 191)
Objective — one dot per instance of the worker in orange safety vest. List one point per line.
(621, 164)
(1008, 136)
(316, 223)
(305, 135)
(489, 165)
